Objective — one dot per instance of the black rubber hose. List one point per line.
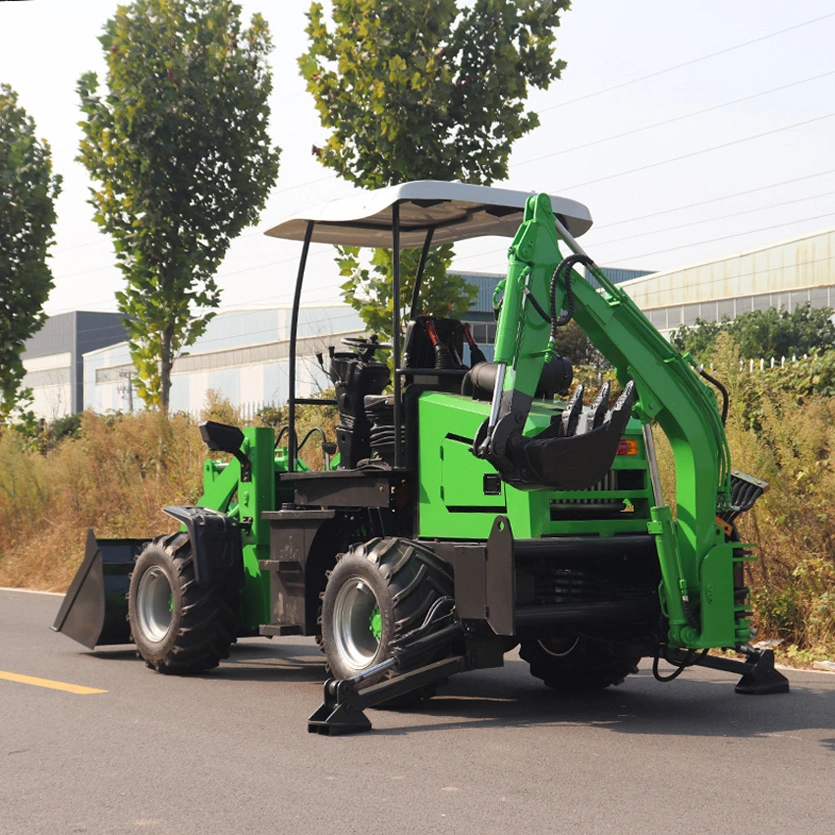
(282, 432)
(722, 389)
(316, 430)
(693, 658)
(565, 266)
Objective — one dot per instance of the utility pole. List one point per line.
(127, 387)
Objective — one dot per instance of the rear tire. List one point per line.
(578, 665)
(178, 626)
(377, 592)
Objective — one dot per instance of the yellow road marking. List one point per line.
(53, 685)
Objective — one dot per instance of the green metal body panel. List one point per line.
(223, 490)
(452, 500)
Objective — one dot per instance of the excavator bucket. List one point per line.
(564, 459)
(571, 454)
(95, 608)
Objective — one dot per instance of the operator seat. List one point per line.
(424, 360)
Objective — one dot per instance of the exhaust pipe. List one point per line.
(95, 608)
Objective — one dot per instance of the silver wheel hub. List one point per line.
(154, 600)
(353, 608)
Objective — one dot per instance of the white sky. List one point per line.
(634, 130)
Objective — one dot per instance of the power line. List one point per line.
(673, 119)
(726, 237)
(712, 200)
(703, 151)
(712, 219)
(104, 239)
(313, 253)
(687, 63)
(716, 199)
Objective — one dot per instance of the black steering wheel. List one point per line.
(365, 346)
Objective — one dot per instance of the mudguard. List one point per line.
(216, 542)
(95, 608)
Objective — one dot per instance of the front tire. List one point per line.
(377, 592)
(178, 626)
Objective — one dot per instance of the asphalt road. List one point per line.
(495, 752)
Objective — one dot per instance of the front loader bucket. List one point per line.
(95, 608)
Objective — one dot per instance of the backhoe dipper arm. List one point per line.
(696, 561)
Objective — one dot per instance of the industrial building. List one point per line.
(782, 275)
(81, 360)
(243, 355)
(53, 359)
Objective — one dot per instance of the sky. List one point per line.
(692, 131)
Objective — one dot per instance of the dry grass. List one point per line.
(115, 478)
(789, 444)
(786, 438)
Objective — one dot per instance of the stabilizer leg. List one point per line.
(759, 678)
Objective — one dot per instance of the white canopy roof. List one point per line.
(457, 211)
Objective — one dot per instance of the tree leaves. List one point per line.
(179, 146)
(28, 191)
(414, 91)
(763, 333)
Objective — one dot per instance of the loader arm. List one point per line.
(696, 560)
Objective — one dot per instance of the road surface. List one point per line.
(496, 752)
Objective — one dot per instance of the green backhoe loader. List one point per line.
(471, 506)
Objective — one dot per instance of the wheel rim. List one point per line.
(154, 603)
(356, 619)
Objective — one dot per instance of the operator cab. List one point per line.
(430, 357)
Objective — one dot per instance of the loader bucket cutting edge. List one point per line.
(95, 609)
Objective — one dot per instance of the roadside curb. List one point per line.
(33, 591)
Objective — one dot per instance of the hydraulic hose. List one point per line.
(723, 391)
(565, 266)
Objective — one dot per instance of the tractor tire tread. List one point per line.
(415, 579)
(206, 626)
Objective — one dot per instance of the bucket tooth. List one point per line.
(597, 413)
(571, 415)
(578, 461)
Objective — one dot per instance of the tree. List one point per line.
(773, 333)
(28, 191)
(699, 339)
(425, 91)
(368, 289)
(573, 344)
(763, 333)
(179, 146)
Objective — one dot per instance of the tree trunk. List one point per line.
(166, 363)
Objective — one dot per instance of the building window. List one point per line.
(689, 313)
(708, 312)
(760, 303)
(819, 297)
(658, 317)
(727, 308)
(799, 298)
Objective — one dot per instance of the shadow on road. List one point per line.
(698, 707)
(248, 661)
(699, 703)
(281, 661)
